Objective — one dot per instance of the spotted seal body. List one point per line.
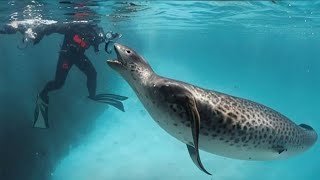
(212, 121)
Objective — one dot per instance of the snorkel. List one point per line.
(111, 37)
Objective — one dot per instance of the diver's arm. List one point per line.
(46, 30)
(8, 30)
(111, 37)
(97, 41)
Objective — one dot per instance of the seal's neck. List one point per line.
(140, 76)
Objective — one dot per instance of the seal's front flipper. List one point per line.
(41, 113)
(179, 95)
(194, 116)
(194, 154)
(111, 99)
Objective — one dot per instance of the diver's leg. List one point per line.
(63, 67)
(85, 65)
(41, 110)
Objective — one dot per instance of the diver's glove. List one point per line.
(111, 37)
(41, 31)
(30, 39)
(37, 38)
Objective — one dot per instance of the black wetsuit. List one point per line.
(77, 39)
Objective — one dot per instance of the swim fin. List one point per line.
(111, 99)
(41, 113)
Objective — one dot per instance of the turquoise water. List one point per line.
(257, 50)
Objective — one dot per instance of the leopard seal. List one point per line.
(215, 122)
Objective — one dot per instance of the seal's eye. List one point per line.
(128, 51)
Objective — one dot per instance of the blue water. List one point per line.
(261, 51)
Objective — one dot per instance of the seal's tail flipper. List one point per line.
(41, 114)
(111, 99)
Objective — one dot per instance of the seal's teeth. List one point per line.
(114, 61)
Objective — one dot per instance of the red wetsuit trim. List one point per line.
(78, 40)
(65, 65)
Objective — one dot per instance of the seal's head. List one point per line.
(130, 64)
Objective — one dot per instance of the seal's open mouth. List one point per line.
(119, 60)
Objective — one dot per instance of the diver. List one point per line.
(78, 37)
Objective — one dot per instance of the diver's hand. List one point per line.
(109, 51)
(36, 40)
(106, 47)
(96, 49)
